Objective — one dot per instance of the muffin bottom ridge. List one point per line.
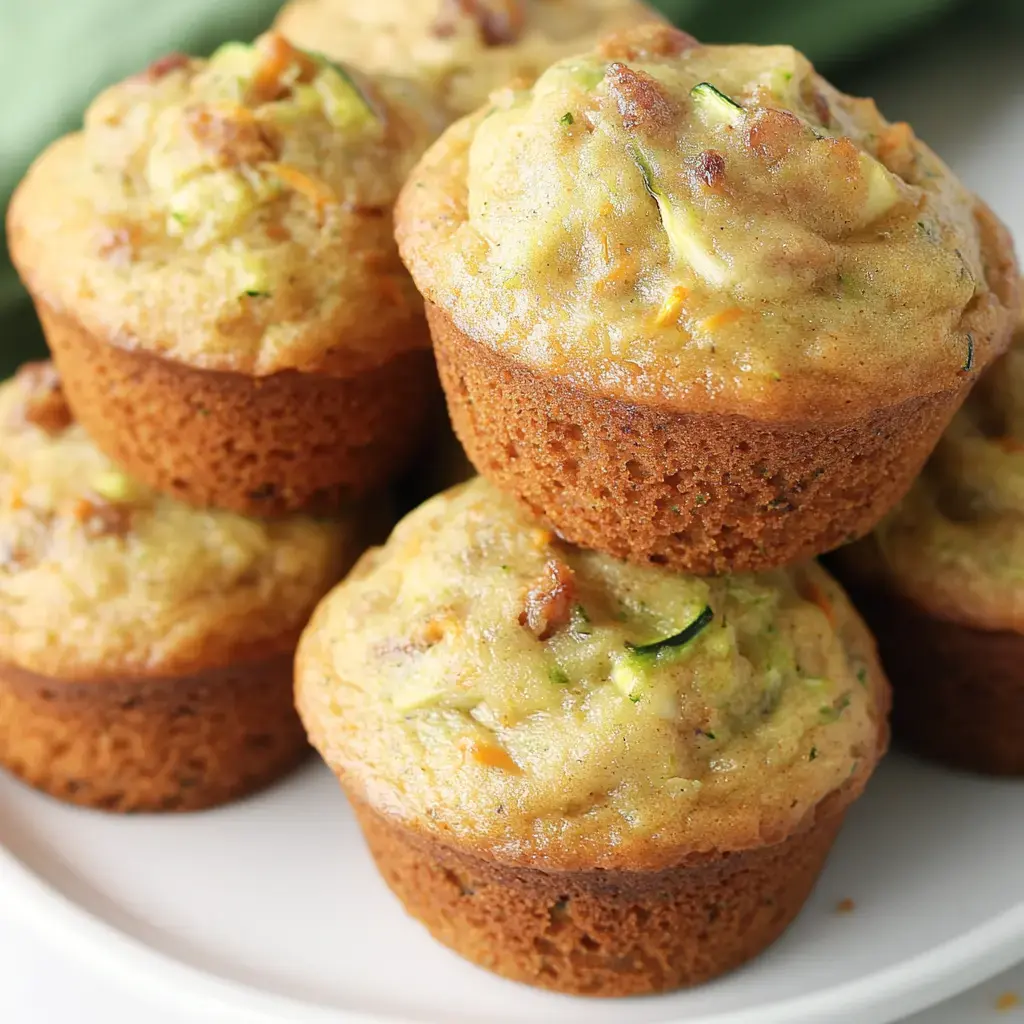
(259, 446)
(700, 493)
(600, 932)
(180, 743)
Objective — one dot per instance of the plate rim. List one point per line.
(908, 987)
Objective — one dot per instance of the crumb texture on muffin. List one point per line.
(955, 545)
(708, 227)
(480, 680)
(461, 49)
(101, 577)
(232, 213)
(269, 446)
(699, 492)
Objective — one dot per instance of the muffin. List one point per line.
(941, 581)
(145, 647)
(693, 306)
(213, 263)
(583, 774)
(459, 49)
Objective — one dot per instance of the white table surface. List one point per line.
(966, 98)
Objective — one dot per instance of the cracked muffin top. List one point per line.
(955, 545)
(708, 228)
(480, 680)
(101, 577)
(232, 213)
(459, 49)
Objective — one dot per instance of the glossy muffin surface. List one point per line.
(707, 227)
(955, 546)
(233, 214)
(478, 680)
(101, 578)
(460, 49)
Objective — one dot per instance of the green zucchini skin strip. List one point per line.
(680, 226)
(716, 104)
(690, 632)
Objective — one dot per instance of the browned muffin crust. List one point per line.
(259, 446)
(181, 743)
(958, 692)
(698, 492)
(604, 933)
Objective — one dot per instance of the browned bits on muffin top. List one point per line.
(163, 66)
(774, 133)
(710, 168)
(640, 100)
(45, 406)
(102, 518)
(653, 40)
(549, 601)
(232, 135)
(499, 22)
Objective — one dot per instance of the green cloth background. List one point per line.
(55, 55)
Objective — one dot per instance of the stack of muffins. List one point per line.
(213, 263)
(699, 318)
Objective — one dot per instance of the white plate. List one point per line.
(272, 906)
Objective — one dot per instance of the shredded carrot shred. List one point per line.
(317, 191)
(436, 629)
(672, 306)
(621, 270)
(231, 112)
(717, 320)
(268, 81)
(541, 538)
(83, 510)
(845, 906)
(490, 755)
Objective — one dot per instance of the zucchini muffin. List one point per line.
(695, 307)
(145, 647)
(942, 583)
(582, 774)
(213, 262)
(458, 49)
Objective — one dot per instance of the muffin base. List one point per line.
(260, 446)
(601, 933)
(700, 493)
(958, 692)
(171, 744)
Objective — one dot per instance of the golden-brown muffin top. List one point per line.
(955, 545)
(101, 577)
(708, 228)
(459, 49)
(484, 682)
(233, 213)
